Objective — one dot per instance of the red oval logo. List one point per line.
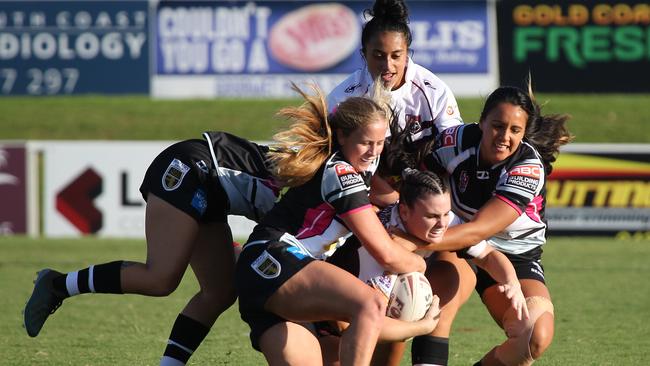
(315, 37)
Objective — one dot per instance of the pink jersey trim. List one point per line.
(533, 208)
(355, 210)
(502, 198)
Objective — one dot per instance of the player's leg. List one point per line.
(527, 339)
(453, 280)
(328, 292)
(213, 265)
(388, 354)
(290, 343)
(170, 237)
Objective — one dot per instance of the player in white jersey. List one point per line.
(424, 103)
(281, 281)
(497, 170)
(424, 212)
(190, 188)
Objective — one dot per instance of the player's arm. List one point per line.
(499, 267)
(373, 236)
(492, 218)
(382, 194)
(394, 330)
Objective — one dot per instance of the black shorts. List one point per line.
(183, 175)
(527, 265)
(261, 269)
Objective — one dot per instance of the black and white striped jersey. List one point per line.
(311, 212)
(244, 174)
(519, 181)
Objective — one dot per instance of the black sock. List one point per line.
(101, 278)
(186, 336)
(430, 350)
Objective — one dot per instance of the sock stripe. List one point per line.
(172, 343)
(91, 278)
(71, 283)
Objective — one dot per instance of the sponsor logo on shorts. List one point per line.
(174, 175)
(200, 201)
(203, 166)
(266, 266)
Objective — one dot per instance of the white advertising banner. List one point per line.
(91, 188)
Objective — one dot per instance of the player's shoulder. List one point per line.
(355, 84)
(460, 137)
(427, 81)
(339, 175)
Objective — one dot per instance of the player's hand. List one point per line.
(432, 317)
(512, 291)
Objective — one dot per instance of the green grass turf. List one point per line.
(600, 288)
(595, 117)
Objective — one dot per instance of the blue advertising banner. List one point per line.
(255, 47)
(72, 47)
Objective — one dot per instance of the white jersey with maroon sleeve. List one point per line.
(425, 104)
(519, 181)
(312, 212)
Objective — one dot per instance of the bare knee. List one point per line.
(372, 308)
(220, 298)
(163, 285)
(542, 335)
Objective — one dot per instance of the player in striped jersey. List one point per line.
(190, 188)
(424, 213)
(281, 279)
(497, 170)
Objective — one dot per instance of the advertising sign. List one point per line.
(255, 48)
(600, 189)
(13, 189)
(580, 46)
(92, 188)
(72, 47)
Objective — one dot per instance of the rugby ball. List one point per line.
(410, 297)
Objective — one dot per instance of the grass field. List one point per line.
(595, 118)
(600, 288)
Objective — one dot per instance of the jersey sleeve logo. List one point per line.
(531, 171)
(174, 175)
(348, 176)
(449, 136)
(525, 176)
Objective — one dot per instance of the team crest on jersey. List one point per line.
(449, 136)
(174, 175)
(266, 266)
(463, 181)
(348, 176)
(413, 123)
